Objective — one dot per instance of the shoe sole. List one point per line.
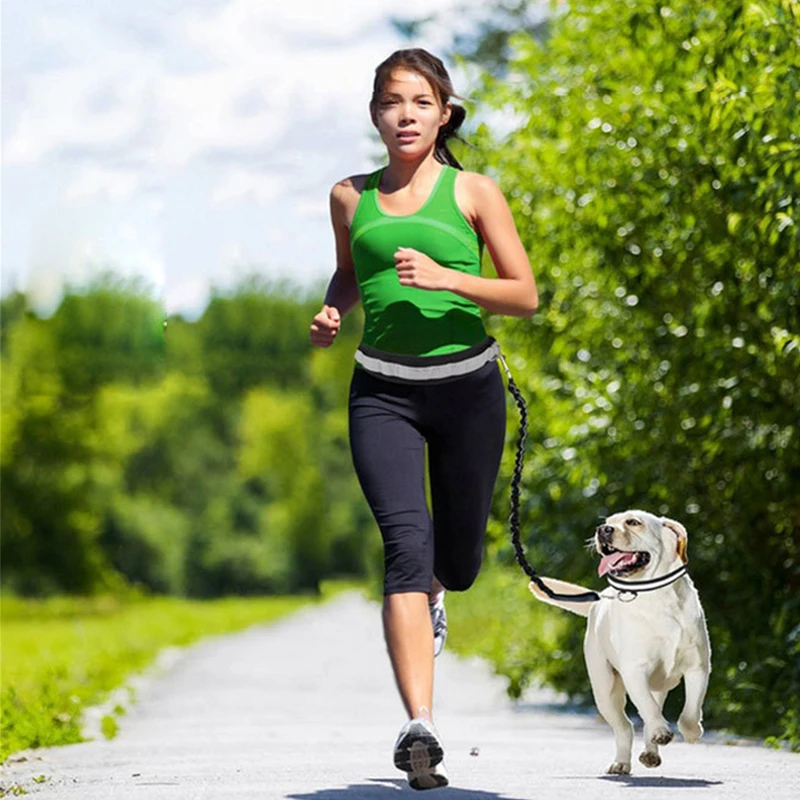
(418, 751)
(427, 780)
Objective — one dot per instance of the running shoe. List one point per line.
(439, 622)
(418, 750)
(431, 778)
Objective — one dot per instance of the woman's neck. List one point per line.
(401, 173)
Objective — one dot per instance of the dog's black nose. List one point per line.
(605, 532)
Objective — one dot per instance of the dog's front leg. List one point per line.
(691, 718)
(649, 756)
(656, 728)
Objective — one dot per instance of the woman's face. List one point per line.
(408, 114)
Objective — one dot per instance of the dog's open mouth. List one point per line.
(620, 562)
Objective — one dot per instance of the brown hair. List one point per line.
(433, 70)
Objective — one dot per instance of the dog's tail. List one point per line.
(562, 587)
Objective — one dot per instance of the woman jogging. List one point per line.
(409, 239)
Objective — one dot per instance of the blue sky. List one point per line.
(186, 141)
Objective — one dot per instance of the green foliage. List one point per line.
(200, 458)
(110, 330)
(14, 790)
(52, 497)
(109, 726)
(652, 169)
(522, 642)
(257, 334)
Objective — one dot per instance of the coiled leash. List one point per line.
(583, 597)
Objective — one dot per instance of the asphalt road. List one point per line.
(306, 709)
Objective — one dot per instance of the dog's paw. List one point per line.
(690, 729)
(650, 758)
(619, 768)
(662, 735)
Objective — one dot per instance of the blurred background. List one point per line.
(166, 428)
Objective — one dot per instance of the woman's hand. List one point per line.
(417, 269)
(325, 326)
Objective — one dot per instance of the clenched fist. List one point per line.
(417, 269)
(325, 326)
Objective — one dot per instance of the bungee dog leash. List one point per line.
(527, 567)
(627, 590)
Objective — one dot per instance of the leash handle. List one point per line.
(516, 478)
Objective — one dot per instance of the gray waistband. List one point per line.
(434, 372)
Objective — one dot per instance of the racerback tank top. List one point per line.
(404, 319)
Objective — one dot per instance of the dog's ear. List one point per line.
(680, 532)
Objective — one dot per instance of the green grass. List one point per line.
(62, 654)
(499, 620)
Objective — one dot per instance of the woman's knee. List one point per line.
(458, 578)
(408, 565)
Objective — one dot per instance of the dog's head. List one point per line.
(639, 543)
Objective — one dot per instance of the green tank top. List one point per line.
(404, 319)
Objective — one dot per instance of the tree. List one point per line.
(51, 513)
(652, 167)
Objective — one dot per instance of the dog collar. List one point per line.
(634, 587)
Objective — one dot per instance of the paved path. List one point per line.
(305, 709)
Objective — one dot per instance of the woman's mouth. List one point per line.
(408, 136)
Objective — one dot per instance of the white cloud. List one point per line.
(115, 184)
(240, 184)
(231, 253)
(72, 109)
(267, 101)
(312, 208)
(64, 259)
(191, 293)
(263, 70)
(242, 26)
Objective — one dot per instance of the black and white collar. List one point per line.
(634, 587)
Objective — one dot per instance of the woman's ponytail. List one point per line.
(449, 130)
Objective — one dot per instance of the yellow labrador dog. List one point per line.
(644, 633)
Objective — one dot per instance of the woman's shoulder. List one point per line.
(347, 191)
(475, 194)
(477, 183)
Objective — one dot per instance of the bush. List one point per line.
(652, 170)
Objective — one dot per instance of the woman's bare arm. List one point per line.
(513, 292)
(342, 293)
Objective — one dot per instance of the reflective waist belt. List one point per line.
(425, 369)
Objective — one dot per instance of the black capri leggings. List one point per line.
(463, 423)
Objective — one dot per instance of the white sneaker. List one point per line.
(431, 778)
(439, 623)
(417, 751)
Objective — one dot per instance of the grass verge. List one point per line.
(61, 655)
(499, 620)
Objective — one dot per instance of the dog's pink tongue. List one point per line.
(614, 561)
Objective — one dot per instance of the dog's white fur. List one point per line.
(646, 645)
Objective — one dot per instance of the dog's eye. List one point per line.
(632, 521)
